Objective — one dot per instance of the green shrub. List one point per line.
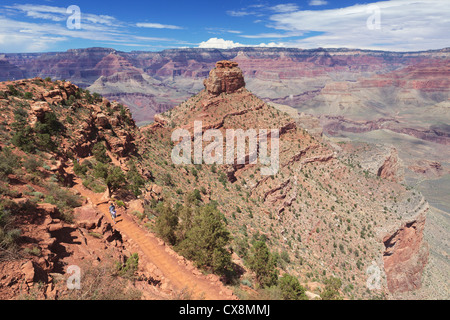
(8, 162)
(194, 197)
(99, 152)
(140, 215)
(291, 288)
(64, 199)
(69, 119)
(28, 95)
(23, 135)
(79, 169)
(14, 92)
(167, 180)
(35, 251)
(166, 223)
(129, 268)
(94, 185)
(31, 163)
(104, 282)
(101, 170)
(8, 234)
(285, 256)
(331, 291)
(96, 235)
(120, 203)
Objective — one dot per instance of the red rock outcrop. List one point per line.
(389, 169)
(405, 256)
(38, 111)
(60, 94)
(226, 77)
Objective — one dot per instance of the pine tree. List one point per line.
(263, 263)
(206, 241)
(166, 223)
(136, 182)
(116, 179)
(99, 152)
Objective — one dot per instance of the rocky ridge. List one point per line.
(315, 196)
(60, 216)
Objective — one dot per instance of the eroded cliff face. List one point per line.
(406, 254)
(9, 71)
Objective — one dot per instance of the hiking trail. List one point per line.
(180, 276)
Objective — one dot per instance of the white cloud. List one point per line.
(272, 35)
(404, 25)
(22, 36)
(17, 36)
(45, 16)
(262, 10)
(317, 2)
(287, 7)
(50, 30)
(60, 14)
(156, 25)
(239, 13)
(215, 30)
(219, 43)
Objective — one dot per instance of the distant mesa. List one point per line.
(225, 77)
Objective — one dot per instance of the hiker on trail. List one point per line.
(112, 211)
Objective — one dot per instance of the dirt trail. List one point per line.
(179, 276)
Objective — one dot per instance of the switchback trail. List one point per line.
(198, 285)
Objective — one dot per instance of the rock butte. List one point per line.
(225, 77)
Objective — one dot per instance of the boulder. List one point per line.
(102, 120)
(136, 205)
(58, 166)
(87, 217)
(55, 227)
(312, 296)
(21, 201)
(51, 209)
(157, 189)
(38, 111)
(33, 273)
(29, 272)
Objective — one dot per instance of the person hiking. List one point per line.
(112, 211)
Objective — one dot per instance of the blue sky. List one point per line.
(398, 25)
